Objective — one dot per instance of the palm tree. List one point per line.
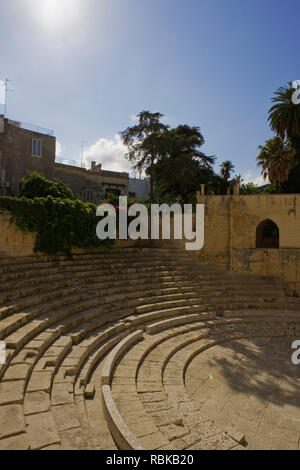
(276, 159)
(284, 115)
(144, 143)
(227, 168)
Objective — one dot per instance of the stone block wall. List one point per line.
(14, 242)
(230, 234)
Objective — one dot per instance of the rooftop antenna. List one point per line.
(5, 84)
(81, 152)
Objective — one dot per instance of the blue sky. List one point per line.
(85, 68)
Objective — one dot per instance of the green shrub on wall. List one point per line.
(60, 223)
(36, 185)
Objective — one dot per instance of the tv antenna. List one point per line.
(5, 84)
(83, 143)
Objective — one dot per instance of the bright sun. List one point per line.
(57, 14)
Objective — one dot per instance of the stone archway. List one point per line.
(267, 235)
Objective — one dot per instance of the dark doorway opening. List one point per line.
(267, 235)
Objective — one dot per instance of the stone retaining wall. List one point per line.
(16, 243)
(230, 234)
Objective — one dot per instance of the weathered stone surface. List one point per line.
(11, 392)
(143, 428)
(40, 381)
(62, 394)
(73, 439)
(17, 372)
(156, 406)
(41, 430)
(154, 441)
(36, 402)
(89, 391)
(152, 397)
(172, 431)
(217, 442)
(65, 417)
(236, 383)
(19, 442)
(12, 420)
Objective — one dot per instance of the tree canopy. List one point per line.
(145, 144)
(182, 166)
(36, 185)
(276, 159)
(227, 169)
(284, 115)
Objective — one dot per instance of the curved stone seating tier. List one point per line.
(97, 346)
(157, 409)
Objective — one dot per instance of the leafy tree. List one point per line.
(227, 169)
(182, 167)
(186, 140)
(272, 189)
(249, 188)
(144, 142)
(276, 159)
(35, 185)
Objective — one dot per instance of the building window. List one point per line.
(115, 192)
(36, 148)
(267, 235)
(89, 196)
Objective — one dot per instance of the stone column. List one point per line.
(236, 189)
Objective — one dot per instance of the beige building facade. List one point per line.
(26, 149)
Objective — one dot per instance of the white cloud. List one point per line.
(110, 153)
(250, 177)
(58, 149)
(134, 118)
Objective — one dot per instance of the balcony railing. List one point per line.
(38, 129)
(76, 163)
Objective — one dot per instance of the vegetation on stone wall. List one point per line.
(249, 188)
(36, 185)
(60, 224)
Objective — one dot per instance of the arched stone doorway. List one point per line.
(267, 235)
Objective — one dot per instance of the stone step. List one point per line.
(107, 261)
(112, 253)
(62, 319)
(57, 281)
(161, 305)
(91, 275)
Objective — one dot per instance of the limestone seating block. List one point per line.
(125, 439)
(19, 442)
(94, 359)
(116, 353)
(41, 430)
(12, 421)
(12, 392)
(154, 328)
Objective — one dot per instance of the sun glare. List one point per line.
(54, 15)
